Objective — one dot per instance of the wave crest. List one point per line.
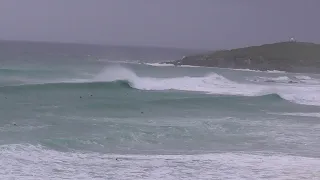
(213, 83)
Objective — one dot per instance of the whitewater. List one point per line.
(307, 91)
(95, 119)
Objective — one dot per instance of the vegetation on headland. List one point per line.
(283, 56)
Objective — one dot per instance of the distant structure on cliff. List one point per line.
(292, 39)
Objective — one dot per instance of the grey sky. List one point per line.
(208, 24)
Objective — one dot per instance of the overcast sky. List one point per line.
(201, 24)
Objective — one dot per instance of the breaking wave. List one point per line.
(212, 83)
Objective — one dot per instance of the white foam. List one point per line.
(248, 70)
(299, 114)
(280, 79)
(275, 71)
(114, 73)
(268, 71)
(285, 79)
(307, 79)
(120, 61)
(166, 65)
(212, 83)
(158, 64)
(302, 77)
(309, 95)
(35, 162)
(215, 84)
(251, 70)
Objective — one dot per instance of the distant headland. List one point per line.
(288, 56)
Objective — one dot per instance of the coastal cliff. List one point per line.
(283, 56)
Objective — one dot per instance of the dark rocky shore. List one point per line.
(283, 56)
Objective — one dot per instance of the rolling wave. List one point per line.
(124, 84)
(213, 83)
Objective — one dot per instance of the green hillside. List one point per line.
(283, 56)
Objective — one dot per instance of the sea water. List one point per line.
(90, 117)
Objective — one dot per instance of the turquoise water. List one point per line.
(94, 118)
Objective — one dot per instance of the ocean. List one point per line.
(87, 112)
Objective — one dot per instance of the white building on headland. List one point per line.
(292, 39)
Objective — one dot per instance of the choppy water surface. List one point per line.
(98, 119)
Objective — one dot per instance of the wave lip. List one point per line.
(212, 83)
